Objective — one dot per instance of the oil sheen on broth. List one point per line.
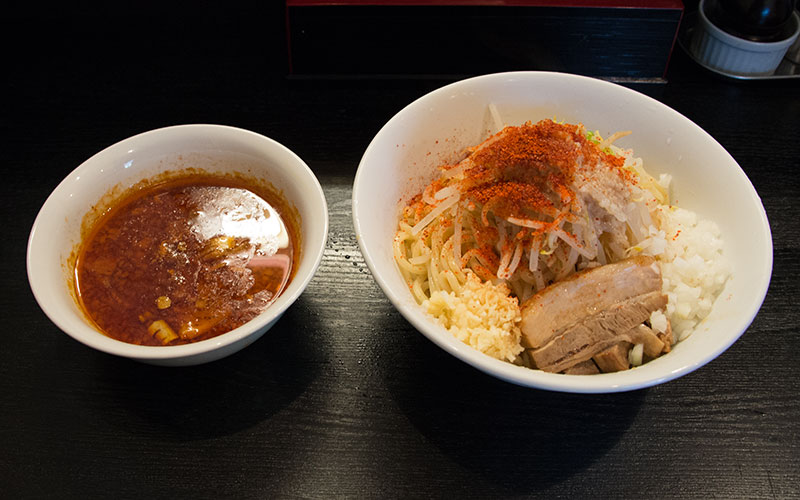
(183, 261)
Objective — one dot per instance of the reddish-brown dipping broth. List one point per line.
(184, 260)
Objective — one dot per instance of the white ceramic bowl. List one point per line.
(402, 157)
(213, 148)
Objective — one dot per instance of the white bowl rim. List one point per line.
(110, 345)
(601, 383)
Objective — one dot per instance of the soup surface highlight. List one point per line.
(183, 261)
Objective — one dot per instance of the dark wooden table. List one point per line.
(343, 398)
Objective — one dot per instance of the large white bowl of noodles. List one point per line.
(404, 155)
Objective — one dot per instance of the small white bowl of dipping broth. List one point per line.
(67, 216)
(404, 155)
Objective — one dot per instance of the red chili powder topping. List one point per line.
(528, 169)
(539, 146)
(509, 198)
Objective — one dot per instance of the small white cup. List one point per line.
(724, 52)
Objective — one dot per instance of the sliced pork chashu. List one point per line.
(572, 300)
(653, 345)
(587, 367)
(598, 332)
(613, 359)
(595, 316)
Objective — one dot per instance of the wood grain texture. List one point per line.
(343, 398)
(428, 39)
